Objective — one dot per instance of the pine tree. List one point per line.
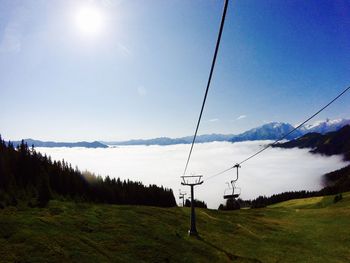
(44, 192)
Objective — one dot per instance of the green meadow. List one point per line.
(303, 230)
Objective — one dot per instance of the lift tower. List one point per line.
(182, 196)
(192, 180)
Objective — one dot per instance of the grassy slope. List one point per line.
(305, 230)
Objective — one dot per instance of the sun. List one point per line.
(90, 21)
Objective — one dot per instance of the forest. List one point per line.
(29, 176)
(337, 182)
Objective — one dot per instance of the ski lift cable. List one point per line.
(209, 81)
(283, 137)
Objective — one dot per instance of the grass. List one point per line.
(303, 230)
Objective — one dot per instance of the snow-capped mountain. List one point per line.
(269, 131)
(325, 126)
(275, 130)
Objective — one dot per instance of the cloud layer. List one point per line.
(11, 39)
(241, 117)
(274, 171)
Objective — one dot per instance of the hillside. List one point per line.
(331, 143)
(28, 175)
(303, 230)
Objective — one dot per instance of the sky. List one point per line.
(267, 174)
(138, 69)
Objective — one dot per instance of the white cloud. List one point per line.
(241, 117)
(124, 50)
(274, 171)
(213, 120)
(141, 90)
(11, 39)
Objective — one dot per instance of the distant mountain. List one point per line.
(269, 131)
(155, 141)
(337, 142)
(38, 143)
(275, 130)
(331, 143)
(170, 141)
(325, 126)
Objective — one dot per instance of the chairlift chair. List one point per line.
(233, 191)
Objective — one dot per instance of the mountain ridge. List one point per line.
(38, 143)
(331, 143)
(268, 131)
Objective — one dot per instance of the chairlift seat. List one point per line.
(231, 196)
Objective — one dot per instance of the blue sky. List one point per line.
(144, 73)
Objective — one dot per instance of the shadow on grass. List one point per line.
(229, 255)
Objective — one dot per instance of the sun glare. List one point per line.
(90, 21)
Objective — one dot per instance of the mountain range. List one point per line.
(269, 131)
(38, 143)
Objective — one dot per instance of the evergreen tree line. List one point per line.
(196, 202)
(263, 201)
(28, 175)
(232, 204)
(338, 182)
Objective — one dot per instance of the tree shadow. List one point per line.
(229, 255)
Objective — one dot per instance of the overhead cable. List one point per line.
(209, 80)
(283, 137)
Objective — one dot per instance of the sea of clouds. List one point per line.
(275, 170)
